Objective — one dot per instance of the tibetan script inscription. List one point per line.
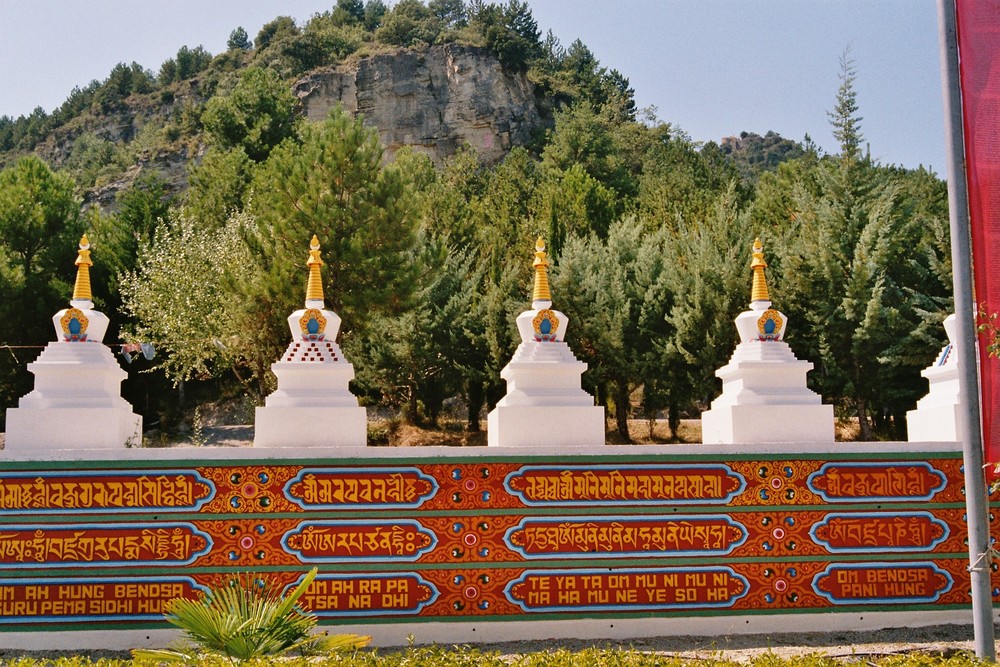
(624, 590)
(107, 544)
(47, 492)
(336, 541)
(851, 482)
(348, 488)
(373, 595)
(896, 583)
(626, 484)
(869, 532)
(625, 536)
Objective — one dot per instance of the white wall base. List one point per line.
(472, 632)
(545, 426)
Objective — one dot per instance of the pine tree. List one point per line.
(238, 39)
(331, 184)
(257, 115)
(844, 118)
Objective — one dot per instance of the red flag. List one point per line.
(979, 72)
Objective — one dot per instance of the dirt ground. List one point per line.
(405, 435)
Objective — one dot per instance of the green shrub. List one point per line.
(245, 619)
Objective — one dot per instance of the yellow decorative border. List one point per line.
(312, 314)
(545, 315)
(67, 317)
(770, 315)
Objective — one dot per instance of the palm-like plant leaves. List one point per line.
(246, 618)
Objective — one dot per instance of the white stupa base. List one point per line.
(743, 424)
(544, 405)
(545, 426)
(937, 416)
(765, 399)
(312, 406)
(328, 427)
(30, 430)
(76, 403)
(936, 423)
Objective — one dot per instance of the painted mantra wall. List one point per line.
(474, 539)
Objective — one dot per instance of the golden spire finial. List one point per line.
(314, 288)
(758, 291)
(541, 291)
(81, 290)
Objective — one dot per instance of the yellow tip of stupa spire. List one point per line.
(541, 291)
(81, 289)
(314, 288)
(758, 292)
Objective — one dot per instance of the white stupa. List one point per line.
(764, 393)
(312, 406)
(937, 415)
(545, 406)
(76, 402)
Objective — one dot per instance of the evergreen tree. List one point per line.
(707, 281)
(416, 359)
(510, 31)
(39, 218)
(503, 213)
(333, 185)
(375, 11)
(573, 202)
(256, 116)
(585, 137)
(408, 23)
(349, 12)
(142, 207)
(610, 288)
(40, 228)
(218, 185)
(844, 118)
(238, 39)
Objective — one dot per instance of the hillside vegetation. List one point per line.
(428, 264)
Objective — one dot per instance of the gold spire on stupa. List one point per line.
(314, 288)
(541, 291)
(758, 292)
(81, 289)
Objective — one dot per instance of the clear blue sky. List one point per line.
(711, 67)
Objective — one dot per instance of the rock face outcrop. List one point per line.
(436, 100)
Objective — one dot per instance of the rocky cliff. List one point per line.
(436, 100)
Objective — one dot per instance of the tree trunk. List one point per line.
(673, 420)
(862, 410)
(412, 413)
(475, 397)
(621, 409)
(494, 392)
(261, 381)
